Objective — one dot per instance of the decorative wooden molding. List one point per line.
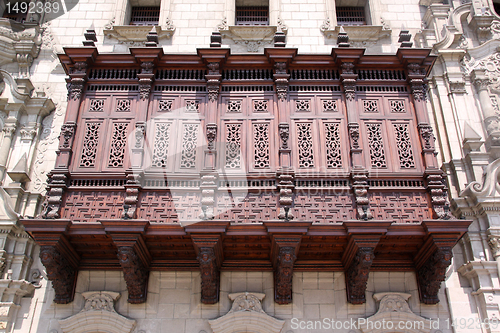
(209, 256)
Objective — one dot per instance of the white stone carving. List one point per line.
(246, 315)
(253, 37)
(98, 315)
(489, 63)
(361, 36)
(488, 188)
(136, 34)
(394, 308)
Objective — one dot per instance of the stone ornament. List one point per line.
(246, 315)
(488, 188)
(394, 308)
(98, 315)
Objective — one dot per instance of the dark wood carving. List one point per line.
(432, 273)
(57, 183)
(132, 188)
(283, 275)
(439, 196)
(213, 81)
(357, 275)
(360, 188)
(60, 272)
(135, 273)
(285, 184)
(210, 278)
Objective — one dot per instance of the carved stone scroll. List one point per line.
(432, 273)
(209, 256)
(60, 272)
(136, 274)
(357, 275)
(284, 254)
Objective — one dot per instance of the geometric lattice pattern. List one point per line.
(96, 105)
(261, 145)
(165, 105)
(376, 144)
(233, 146)
(234, 106)
(333, 154)
(253, 208)
(192, 106)
(370, 105)
(305, 145)
(89, 206)
(323, 207)
(397, 106)
(302, 105)
(403, 143)
(259, 106)
(402, 207)
(90, 143)
(161, 142)
(189, 146)
(123, 105)
(118, 142)
(163, 207)
(329, 106)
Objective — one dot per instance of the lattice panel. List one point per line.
(403, 207)
(189, 145)
(89, 206)
(261, 145)
(403, 143)
(329, 106)
(233, 146)
(254, 208)
(165, 105)
(96, 105)
(323, 207)
(234, 106)
(370, 106)
(305, 145)
(302, 105)
(161, 144)
(90, 143)
(397, 106)
(260, 106)
(192, 106)
(333, 152)
(376, 144)
(118, 143)
(187, 205)
(123, 105)
(163, 207)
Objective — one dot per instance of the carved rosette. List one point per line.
(357, 275)
(67, 133)
(209, 275)
(213, 81)
(135, 273)
(285, 181)
(60, 273)
(360, 187)
(432, 273)
(439, 196)
(283, 275)
(75, 88)
(211, 135)
(57, 183)
(140, 131)
(284, 131)
(354, 135)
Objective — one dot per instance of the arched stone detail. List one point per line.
(98, 315)
(393, 307)
(246, 315)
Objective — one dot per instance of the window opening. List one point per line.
(348, 16)
(145, 16)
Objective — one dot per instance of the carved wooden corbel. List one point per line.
(284, 253)
(209, 256)
(432, 273)
(357, 275)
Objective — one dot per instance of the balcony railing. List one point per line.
(252, 15)
(351, 16)
(145, 16)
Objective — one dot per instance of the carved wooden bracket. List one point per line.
(359, 254)
(133, 255)
(432, 273)
(214, 58)
(283, 255)
(209, 255)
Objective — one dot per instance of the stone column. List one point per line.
(491, 119)
(9, 129)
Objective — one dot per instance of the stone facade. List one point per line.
(463, 99)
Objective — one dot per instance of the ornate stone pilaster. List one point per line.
(357, 275)
(135, 273)
(432, 273)
(9, 129)
(213, 81)
(491, 118)
(60, 272)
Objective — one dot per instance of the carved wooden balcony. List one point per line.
(217, 162)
